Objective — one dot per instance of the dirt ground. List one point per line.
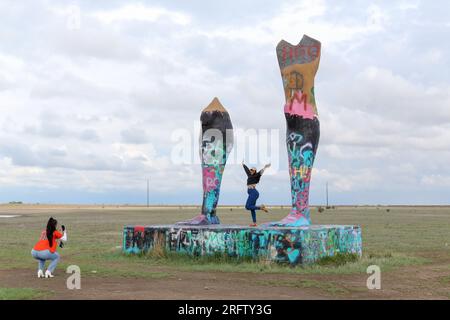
(400, 284)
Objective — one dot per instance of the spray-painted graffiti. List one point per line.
(298, 66)
(299, 245)
(215, 145)
(301, 159)
(306, 51)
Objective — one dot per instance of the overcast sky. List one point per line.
(91, 93)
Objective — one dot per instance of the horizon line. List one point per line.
(19, 203)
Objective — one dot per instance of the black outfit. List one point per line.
(253, 194)
(252, 178)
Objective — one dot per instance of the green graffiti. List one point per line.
(290, 245)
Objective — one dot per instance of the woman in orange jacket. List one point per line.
(45, 248)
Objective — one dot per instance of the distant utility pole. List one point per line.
(147, 192)
(327, 193)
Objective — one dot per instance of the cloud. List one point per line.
(140, 12)
(309, 17)
(91, 106)
(436, 180)
(89, 135)
(134, 135)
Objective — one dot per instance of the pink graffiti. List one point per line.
(301, 198)
(299, 106)
(303, 52)
(210, 180)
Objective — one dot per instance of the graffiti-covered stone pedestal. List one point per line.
(294, 245)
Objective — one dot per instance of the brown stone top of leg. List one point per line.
(215, 105)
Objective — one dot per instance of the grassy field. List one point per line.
(403, 241)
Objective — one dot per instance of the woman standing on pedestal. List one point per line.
(253, 178)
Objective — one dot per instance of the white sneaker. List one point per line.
(48, 274)
(40, 274)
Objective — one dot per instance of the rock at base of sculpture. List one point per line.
(293, 245)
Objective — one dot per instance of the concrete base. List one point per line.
(294, 245)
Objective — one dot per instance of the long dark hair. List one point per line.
(51, 227)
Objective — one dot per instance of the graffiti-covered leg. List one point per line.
(212, 178)
(216, 142)
(298, 66)
(301, 140)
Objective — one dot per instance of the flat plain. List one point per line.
(411, 245)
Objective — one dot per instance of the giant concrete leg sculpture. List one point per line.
(216, 142)
(298, 65)
(292, 239)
